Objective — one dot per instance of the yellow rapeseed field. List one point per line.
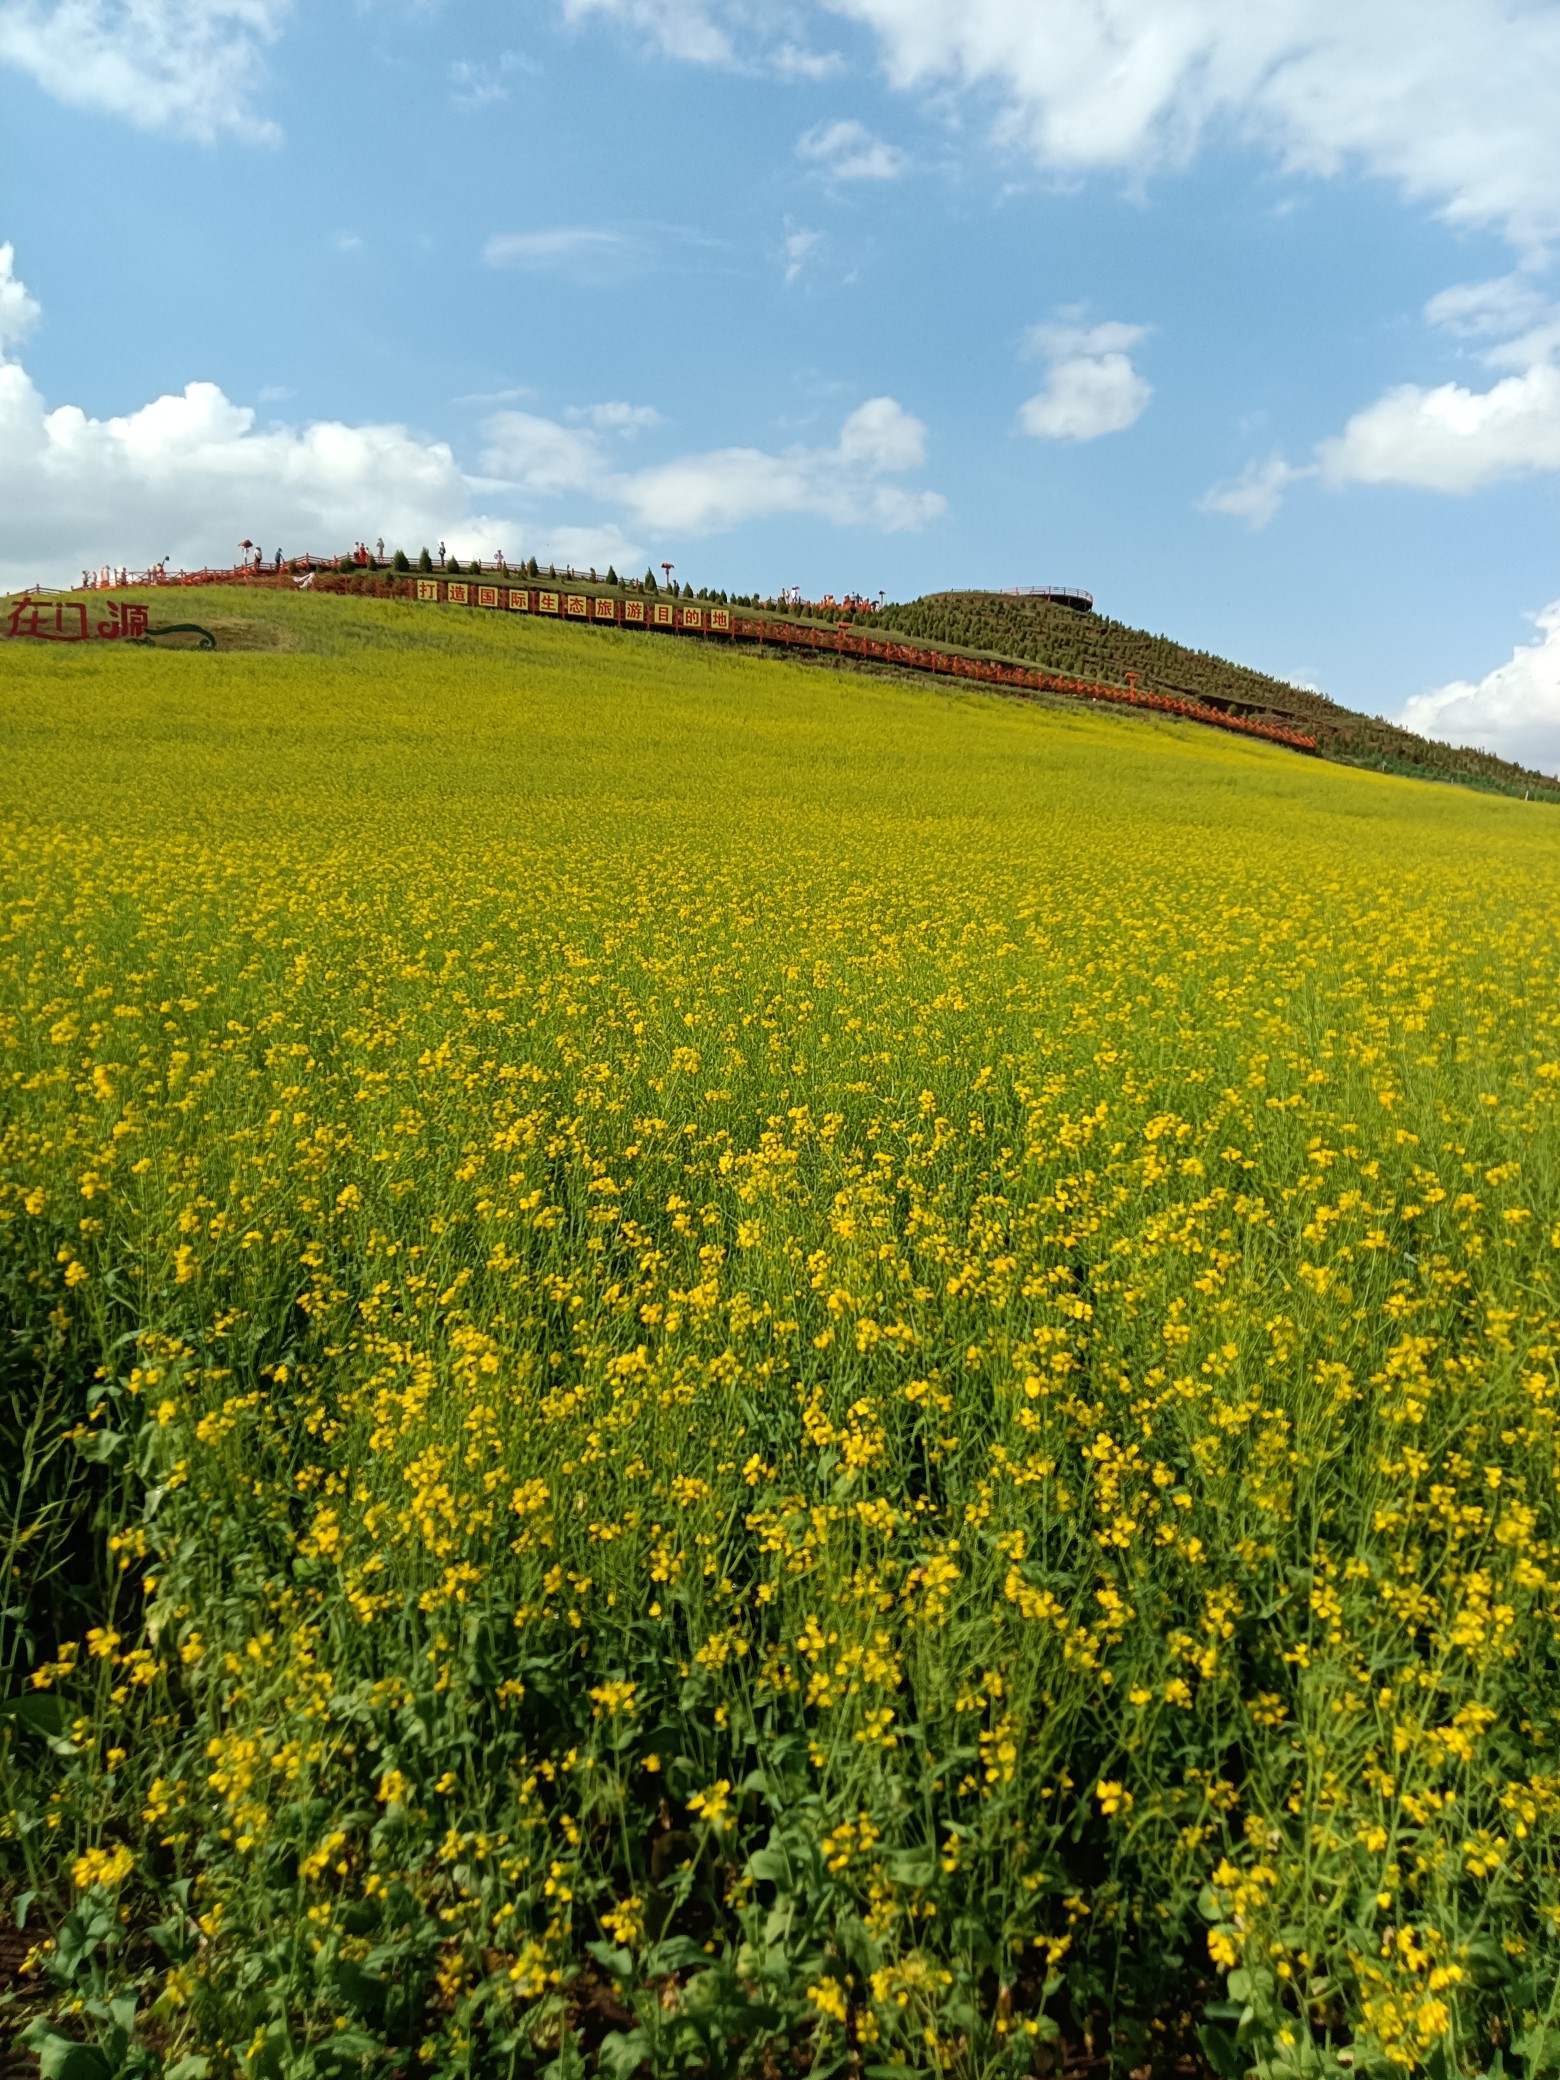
(718, 1368)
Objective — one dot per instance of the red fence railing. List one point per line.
(745, 624)
(570, 599)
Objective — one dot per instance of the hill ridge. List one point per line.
(1038, 631)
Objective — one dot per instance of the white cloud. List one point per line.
(1256, 494)
(706, 493)
(800, 245)
(190, 475)
(681, 28)
(590, 548)
(881, 436)
(1453, 101)
(541, 456)
(848, 151)
(1091, 386)
(755, 35)
(617, 418)
(1514, 710)
(483, 82)
(1500, 309)
(18, 307)
(795, 61)
(576, 249)
(190, 66)
(702, 494)
(1450, 438)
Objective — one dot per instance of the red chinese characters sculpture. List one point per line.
(66, 621)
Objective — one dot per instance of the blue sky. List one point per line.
(1245, 319)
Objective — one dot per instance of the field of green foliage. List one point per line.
(714, 1370)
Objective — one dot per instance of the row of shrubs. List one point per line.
(452, 567)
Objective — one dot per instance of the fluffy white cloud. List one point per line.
(1256, 494)
(703, 494)
(1091, 386)
(848, 151)
(188, 476)
(1514, 709)
(1450, 438)
(18, 307)
(542, 457)
(190, 66)
(1452, 100)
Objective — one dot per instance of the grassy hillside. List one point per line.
(1091, 644)
(711, 1370)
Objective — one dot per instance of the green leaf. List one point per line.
(618, 1962)
(1222, 2052)
(348, 2047)
(175, 1937)
(100, 1447)
(623, 2052)
(44, 1714)
(194, 2067)
(917, 1867)
(62, 2058)
(364, 1991)
(677, 1954)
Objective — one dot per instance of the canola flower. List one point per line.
(848, 1369)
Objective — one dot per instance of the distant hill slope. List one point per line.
(1093, 646)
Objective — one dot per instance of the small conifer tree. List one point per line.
(531, 570)
(612, 576)
(425, 561)
(453, 566)
(650, 584)
(400, 561)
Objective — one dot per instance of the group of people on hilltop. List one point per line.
(847, 603)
